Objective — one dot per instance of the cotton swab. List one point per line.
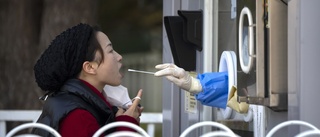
(139, 71)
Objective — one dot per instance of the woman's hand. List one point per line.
(134, 110)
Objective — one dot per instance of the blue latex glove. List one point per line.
(214, 89)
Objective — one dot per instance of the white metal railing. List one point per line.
(151, 119)
(32, 125)
(225, 130)
(142, 132)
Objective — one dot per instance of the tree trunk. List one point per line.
(25, 24)
(19, 37)
(59, 15)
(27, 28)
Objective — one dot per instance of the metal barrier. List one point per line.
(127, 134)
(226, 131)
(151, 119)
(314, 130)
(32, 125)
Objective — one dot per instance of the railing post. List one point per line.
(151, 130)
(3, 128)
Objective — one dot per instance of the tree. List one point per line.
(19, 36)
(27, 28)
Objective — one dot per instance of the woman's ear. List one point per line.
(90, 67)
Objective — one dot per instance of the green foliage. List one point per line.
(129, 23)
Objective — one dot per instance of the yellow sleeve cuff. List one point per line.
(240, 107)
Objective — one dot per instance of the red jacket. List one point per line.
(81, 123)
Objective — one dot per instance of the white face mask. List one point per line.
(117, 96)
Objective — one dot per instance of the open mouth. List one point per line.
(122, 71)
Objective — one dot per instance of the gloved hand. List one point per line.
(179, 77)
(241, 107)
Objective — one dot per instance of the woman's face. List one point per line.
(108, 71)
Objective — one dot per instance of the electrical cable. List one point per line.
(285, 3)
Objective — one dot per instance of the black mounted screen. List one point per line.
(184, 54)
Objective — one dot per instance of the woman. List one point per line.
(73, 70)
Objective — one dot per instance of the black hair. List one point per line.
(94, 47)
(64, 57)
